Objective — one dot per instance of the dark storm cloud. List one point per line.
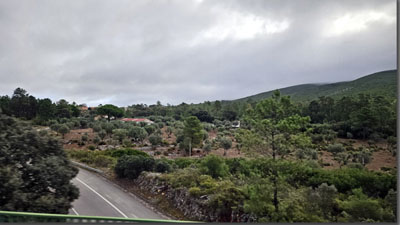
(126, 52)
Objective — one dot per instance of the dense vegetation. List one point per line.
(278, 175)
(381, 83)
(35, 173)
(240, 186)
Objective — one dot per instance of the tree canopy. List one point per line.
(110, 110)
(35, 174)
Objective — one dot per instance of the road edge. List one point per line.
(102, 174)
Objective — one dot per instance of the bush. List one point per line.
(184, 162)
(130, 166)
(335, 148)
(103, 161)
(121, 152)
(195, 191)
(188, 177)
(91, 147)
(214, 166)
(162, 166)
(155, 140)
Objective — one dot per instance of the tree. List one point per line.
(46, 109)
(110, 111)
(102, 134)
(120, 134)
(226, 143)
(274, 123)
(138, 134)
(62, 109)
(63, 129)
(322, 199)
(96, 140)
(214, 166)
(155, 140)
(361, 208)
(229, 115)
(192, 132)
(204, 116)
(169, 131)
(35, 174)
(22, 104)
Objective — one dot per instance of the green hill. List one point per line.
(381, 83)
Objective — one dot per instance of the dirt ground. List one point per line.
(76, 135)
(379, 159)
(382, 159)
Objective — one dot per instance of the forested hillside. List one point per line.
(380, 83)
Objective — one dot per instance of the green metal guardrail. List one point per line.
(10, 216)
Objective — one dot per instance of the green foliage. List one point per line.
(381, 83)
(110, 111)
(346, 179)
(155, 140)
(137, 133)
(85, 137)
(335, 148)
(322, 200)
(102, 134)
(214, 166)
(361, 208)
(130, 166)
(275, 123)
(184, 162)
(228, 199)
(119, 134)
(29, 165)
(121, 152)
(162, 166)
(187, 177)
(192, 131)
(63, 129)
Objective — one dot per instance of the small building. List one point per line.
(137, 120)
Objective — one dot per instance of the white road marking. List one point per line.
(112, 205)
(75, 211)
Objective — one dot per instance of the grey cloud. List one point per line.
(126, 52)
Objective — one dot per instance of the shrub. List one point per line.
(335, 148)
(184, 162)
(121, 152)
(214, 166)
(103, 161)
(195, 191)
(91, 147)
(162, 167)
(155, 140)
(127, 143)
(188, 177)
(130, 166)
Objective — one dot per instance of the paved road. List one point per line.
(99, 197)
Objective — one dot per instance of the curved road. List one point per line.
(99, 197)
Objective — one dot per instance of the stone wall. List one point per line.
(192, 208)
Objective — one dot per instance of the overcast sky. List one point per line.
(141, 51)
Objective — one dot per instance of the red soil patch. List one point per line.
(382, 159)
(327, 158)
(76, 135)
(164, 135)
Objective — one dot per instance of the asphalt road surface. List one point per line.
(99, 197)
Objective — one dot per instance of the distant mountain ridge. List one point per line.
(380, 83)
